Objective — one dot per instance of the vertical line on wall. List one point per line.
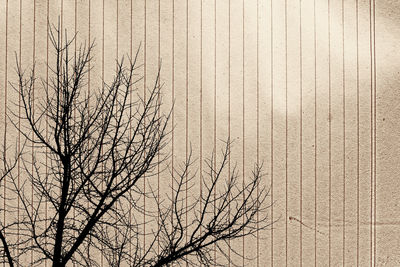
(116, 33)
(172, 98)
(47, 121)
(315, 135)
(159, 113)
(187, 117)
(116, 69)
(5, 100)
(258, 132)
(5, 106)
(215, 106)
(301, 137)
(75, 36)
(358, 136)
(272, 131)
(371, 134)
(33, 102)
(75, 31)
(19, 120)
(89, 38)
(374, 66)
(102, 80)
(61, 20)
(229, 114)
(243, 118)
(330, 134)
(144, 97)
(89, 43)
(344, 136)
(201, 103)
(102, 46)
(286, 134)
(5, 111)
(61, 24)
(130, 127)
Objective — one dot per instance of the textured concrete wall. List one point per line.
(309, 87)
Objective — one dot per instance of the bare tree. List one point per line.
(80, 196)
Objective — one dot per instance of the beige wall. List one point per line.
(312, 97)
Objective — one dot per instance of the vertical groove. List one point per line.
(258, 133)
(130, 132)
(47, 122)
(315, 136)
(301, 138)
(374, 66)
(272, 131)
(187, 117)
(102, 80)
(75, 30)
(89, 68)
(19, 119)
(116, 69)
(33, 102)
(159, 113)
(286, 135)
(358, 136)
(116, 33)
(5, 111)
(89, 39)
(201, 102)
(61, 20)
(344, 137)
(243, 118)
(215, 105)
(75, 36)
(62, 14)
(229, 112)
(172, 99)
(144, 97)
(5, 100)
(330, 134)
(371, 134)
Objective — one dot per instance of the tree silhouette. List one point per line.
(79, 196)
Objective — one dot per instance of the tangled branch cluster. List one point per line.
(77, 194)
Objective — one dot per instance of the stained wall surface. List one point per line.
(308, 87)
